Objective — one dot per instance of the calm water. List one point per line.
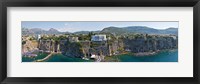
(164, 56)
(54, 58)
(40, 56)
(62, 58)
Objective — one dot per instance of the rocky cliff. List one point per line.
(29, 46)
(133, 43)
(49, 46)
(147, 43)
(71, 49)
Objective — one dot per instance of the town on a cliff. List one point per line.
(97, 46)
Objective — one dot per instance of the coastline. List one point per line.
(152, 52)
(145, 53)
(113, 58)
(163, 55)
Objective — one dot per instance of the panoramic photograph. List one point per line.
(99, 41)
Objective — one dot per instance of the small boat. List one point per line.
(93, 56)
(85, 58)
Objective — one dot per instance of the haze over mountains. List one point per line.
(115, 30)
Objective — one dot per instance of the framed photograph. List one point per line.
(85, 41)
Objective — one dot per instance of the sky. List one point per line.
(74, 26)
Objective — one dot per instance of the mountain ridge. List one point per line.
(139, 29)
(111, 29)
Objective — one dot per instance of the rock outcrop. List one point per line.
(71, 49)
(147, 43)
(136, 44)
(49, 45)
(29, 46)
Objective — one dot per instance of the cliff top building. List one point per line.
(174, 37)
(38, 37)
(73, 39)
(98, 38)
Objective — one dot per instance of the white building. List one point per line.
(174, 37)
(73, 39)
(38, 37)
(99, 38)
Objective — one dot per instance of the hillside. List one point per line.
(139, 29)
(26, 31)
(113, 30)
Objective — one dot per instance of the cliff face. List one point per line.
(135, 44)
(86, 48)
(116, 47)
(99, 48)
(71, 49)
(49, 46)
(146, 43)
(29, 46)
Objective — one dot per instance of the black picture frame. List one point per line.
(98, 3)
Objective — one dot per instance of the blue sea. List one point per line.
(163, 56)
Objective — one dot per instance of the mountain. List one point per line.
(86, 32)
(115, 30)
(139, 29)
(53, 31)
(82, 32)
(173, 31)
(37, 31)
(26, 31)
(112, 29)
